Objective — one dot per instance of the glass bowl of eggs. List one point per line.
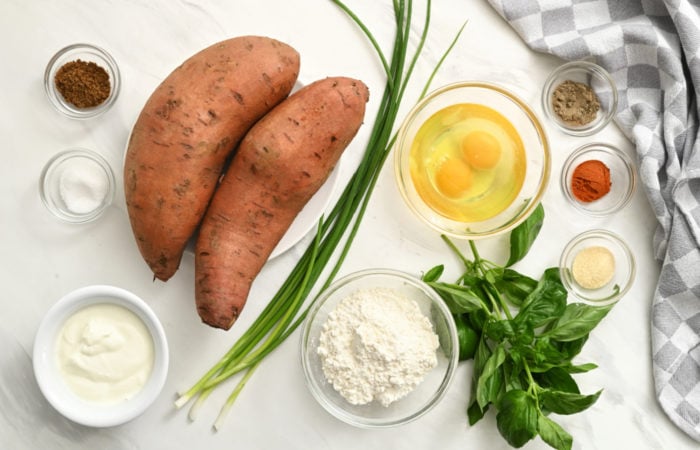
(472, 160)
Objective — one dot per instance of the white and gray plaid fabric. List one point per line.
(652, 50)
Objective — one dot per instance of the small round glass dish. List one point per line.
(371, 412)
(77, 185)
(597, 267)
(124, 382)
(472, 160)
(590, 75)
(91, 63)
(622, 173)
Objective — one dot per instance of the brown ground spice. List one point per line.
(575, 103)
(82, 83)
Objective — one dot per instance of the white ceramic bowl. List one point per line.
(48, 375)
(419, 401)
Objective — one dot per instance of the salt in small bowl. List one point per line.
(77, 185)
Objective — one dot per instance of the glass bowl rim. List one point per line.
(608, 236)
(64, 155)
(55, 97)
(588, 67)
(608, 149)
(322, 299)
(538, 128)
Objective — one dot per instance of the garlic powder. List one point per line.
(377, 345)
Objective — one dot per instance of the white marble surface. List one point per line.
(44, 259)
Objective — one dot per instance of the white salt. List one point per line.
(83, 186)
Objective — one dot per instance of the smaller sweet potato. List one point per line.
(281, 162)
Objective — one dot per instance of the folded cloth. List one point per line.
(652, 50)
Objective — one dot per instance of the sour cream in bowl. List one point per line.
(100, 356)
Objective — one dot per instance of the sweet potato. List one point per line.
(281, 162)
(185, 132)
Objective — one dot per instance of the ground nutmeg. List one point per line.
(84, 84)
(590, 180)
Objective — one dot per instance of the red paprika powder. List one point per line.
(590, 180)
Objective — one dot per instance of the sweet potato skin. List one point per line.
(185, 132)
(282, 161)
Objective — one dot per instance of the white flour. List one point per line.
(377, 345)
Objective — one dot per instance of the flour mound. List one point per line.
(377, 345)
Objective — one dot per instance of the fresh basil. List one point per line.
(553, 434)
(523, 337)
(577, 321)
(517, 417)
(523, 236)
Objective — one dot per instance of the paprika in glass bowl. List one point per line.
(82, 81)
(598, 179)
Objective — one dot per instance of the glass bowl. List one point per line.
(596, 78)
(51, 380)
(425, 395)
(588, 278)
(89, 54)
(623, 178)
(525, 125)
(77, 185)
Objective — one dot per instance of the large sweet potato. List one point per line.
(185, 132)
(282, 161)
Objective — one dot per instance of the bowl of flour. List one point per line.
(379, 348)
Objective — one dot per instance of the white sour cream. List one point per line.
(105, 353)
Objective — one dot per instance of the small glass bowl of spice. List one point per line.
(379, 348)
(580, 97)
(82, 81)
(77, 185)
(597, 267)
(598, 179)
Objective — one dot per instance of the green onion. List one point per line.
(283, 314)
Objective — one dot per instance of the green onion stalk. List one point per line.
(335, 232)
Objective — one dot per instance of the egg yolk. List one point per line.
(481, 150)
(453, 177)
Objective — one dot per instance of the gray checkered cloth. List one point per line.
(652, 50)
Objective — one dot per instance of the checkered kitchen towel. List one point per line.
(652, 50)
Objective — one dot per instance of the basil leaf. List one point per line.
(498, 330)
(523, 236)
(433, 274)
(571, 348)
(546, 302)
(553, 434)
(581, 368)
(557, 379)
(475, 413)
(459, 299)
(577, 321)
(467, 337)
(514, 286)
(517, 417)
(560, 402)
(490, 381)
